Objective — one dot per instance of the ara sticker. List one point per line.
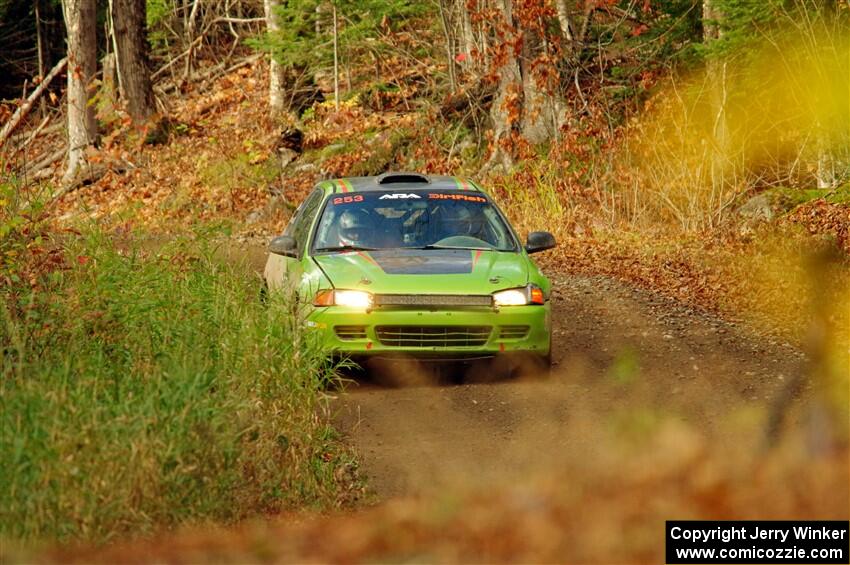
(398, 195)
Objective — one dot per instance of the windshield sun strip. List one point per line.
(329, 195)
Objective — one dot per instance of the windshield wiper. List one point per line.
(346, 248)
(438, 246)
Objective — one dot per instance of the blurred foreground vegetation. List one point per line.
(143, 388)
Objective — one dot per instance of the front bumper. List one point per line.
(369, 338)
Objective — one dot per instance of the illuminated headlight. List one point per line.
(351, 298)
(530, 294)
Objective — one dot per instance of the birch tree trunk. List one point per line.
(130, 20)
(81, 23)
(711, 17)
(826, 164)
(39, 42)
(276, 78)
(716, 71)
(564, 20)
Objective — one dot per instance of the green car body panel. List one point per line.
(426, 303)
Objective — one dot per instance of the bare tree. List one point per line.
(130, 20)
(276, 71)
(81, 23)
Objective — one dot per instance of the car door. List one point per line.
(285, 271)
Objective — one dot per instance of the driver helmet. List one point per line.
(455, 220)
(353, 226)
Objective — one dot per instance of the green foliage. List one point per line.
(142, 389)
(360, 24)
(247, 171)
(22, 235)
(745, 24)
(158, 13)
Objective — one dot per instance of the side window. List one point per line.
(306, 213)
(296, 217)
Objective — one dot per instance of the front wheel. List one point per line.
(531, 366)
(508, 367)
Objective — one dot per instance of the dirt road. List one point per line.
(652, 411)
(624, 360)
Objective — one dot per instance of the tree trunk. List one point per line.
(507, 106)
(130, 20)
(826, 164)
(276, 78)
(540, 102)
(716, 75)
(448, 33)
(711, 17)
(42, 105)
(336, 59)
(564, 21)
(522, 103)
(81, 23)
(468, 33)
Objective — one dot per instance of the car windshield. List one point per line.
(412, 220)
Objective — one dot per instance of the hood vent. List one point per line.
(402, 178)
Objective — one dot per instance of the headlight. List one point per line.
(531, 294)
(351, 298)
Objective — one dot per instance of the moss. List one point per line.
(385, 149)
(788, 198)
(244, 171)
(324, 153)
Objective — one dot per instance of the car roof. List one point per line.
(398, 181)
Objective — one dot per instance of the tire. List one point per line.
(531, 366)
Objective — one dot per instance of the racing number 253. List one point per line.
(348, 199)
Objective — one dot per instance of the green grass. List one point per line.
(142, 390)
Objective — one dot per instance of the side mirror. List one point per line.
(284, 245)
(539, 241)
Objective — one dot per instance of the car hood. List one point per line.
(425, 271)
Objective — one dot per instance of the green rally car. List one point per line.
(405, 264)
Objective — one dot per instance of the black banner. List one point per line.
(780, 541)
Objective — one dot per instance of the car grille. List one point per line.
(513, 332)
(433, 336)
(433, 300)
(350, 332)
